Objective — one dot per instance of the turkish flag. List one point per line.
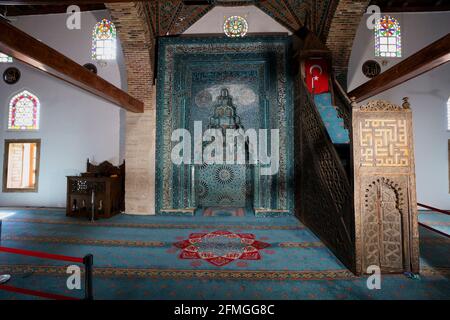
(317, 77)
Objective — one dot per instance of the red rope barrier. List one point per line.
(36, 293)
(87, 260)
(41, 255)
(432, 208)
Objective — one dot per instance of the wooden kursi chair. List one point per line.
(97, 193)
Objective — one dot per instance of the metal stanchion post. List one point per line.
(88, 262)
(3, 277)
(93, 205)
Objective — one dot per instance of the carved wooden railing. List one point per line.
(326, 195)
(433, 208)
(343, 103)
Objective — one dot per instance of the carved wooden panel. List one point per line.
(382, 224)
(326, 204)
(385, 188)
(384, 143)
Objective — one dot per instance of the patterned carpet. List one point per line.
(223, 212)
(333, 123)
(139, 257)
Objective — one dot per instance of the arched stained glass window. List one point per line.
(5, 58)
(104, 41)
(24, 112)
(388, 42)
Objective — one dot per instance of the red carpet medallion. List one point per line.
(221, 247)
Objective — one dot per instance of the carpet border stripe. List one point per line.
(250, 275)
(154, 225)
(137, 243)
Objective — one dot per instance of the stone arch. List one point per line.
(341, 34)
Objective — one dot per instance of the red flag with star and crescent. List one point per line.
(317, 76)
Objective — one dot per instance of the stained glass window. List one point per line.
(5, 58)
(388, 38)
(235, 26)
(24, 112)
(104, 41)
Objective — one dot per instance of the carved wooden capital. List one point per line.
(382, 105)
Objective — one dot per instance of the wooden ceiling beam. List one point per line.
(422, 61)
(33, 52)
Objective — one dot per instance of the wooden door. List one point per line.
(390, 233)
(382, 230)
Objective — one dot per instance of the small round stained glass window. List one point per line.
(235, 26)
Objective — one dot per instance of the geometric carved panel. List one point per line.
(383, 224)
(384, 143)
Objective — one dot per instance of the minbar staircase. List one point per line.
(323, 171)
(354, 173)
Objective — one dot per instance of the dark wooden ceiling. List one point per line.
(412, 5)
(170, 17)
(23, 10)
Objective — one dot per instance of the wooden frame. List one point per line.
(5, 165)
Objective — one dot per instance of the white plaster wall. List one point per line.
(74, 124)
(258, 21)
(428, 95)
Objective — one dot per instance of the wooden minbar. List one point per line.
(97, 193)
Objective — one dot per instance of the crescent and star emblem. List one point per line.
(315, 78)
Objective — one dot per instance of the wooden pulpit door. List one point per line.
(382, 234)
(390, 230)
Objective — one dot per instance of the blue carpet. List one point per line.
(436, 220)
(333, 123)
(134, 258)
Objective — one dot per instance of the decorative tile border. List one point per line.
(189, 212)
(301, 245)
(273, 213)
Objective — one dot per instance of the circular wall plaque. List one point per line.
(371, 68)
(91, 67)
(11, 75)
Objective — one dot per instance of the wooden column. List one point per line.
(385, 188)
